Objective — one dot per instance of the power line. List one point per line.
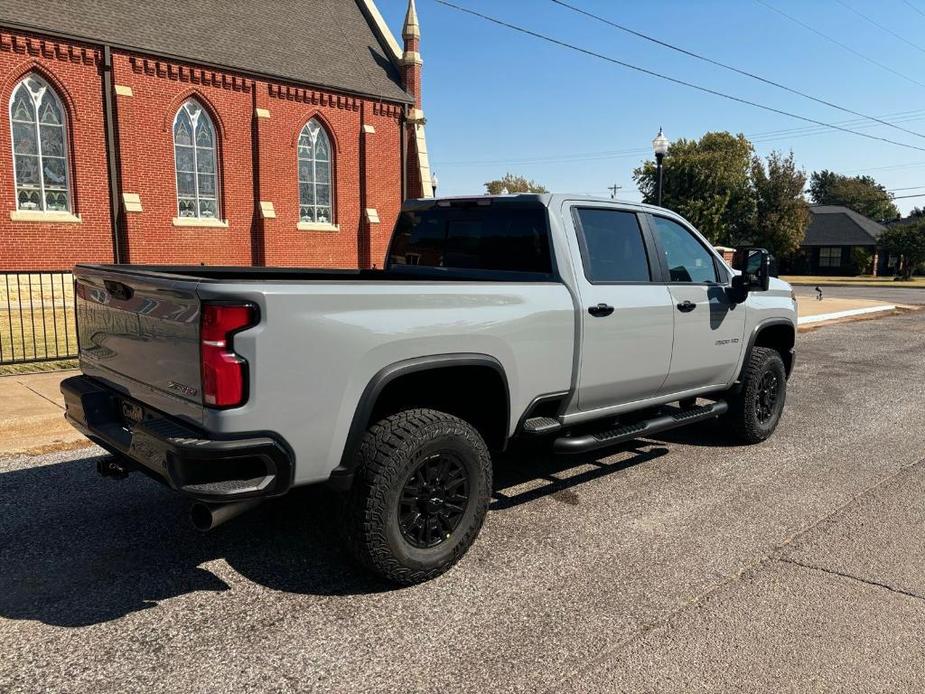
(553, 158)
(840, 44)
(667, 78)
(880, 26)
(731, 68)
(906, 2)
(900, 117)
(755, 138)
(893, 167)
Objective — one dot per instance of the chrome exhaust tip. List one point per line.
(206, 517)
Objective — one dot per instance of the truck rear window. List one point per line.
(473, 238)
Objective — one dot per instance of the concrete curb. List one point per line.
(861, 285)
(806, 320)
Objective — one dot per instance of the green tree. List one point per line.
(862, 259)
(781, 213)
(859, 193)
(513, 184)
(907, 241)
(730, 194)
(706, 181)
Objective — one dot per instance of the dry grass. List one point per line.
(859, 281)
(37, 367)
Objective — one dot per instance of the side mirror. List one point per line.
(755, 266)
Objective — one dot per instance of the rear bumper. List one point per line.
(174, 453)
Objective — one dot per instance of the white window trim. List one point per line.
(53, 216)
(62, 215)
(317, 226)
(201, 222)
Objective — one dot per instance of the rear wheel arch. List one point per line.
(471, 386)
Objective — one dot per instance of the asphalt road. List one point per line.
(682, 564)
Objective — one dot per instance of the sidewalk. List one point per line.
(32, 415)
(865, 281)
(813, 312)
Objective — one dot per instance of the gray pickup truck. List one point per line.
(573, 322)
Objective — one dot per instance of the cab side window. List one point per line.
(688, 260)
(612, 249)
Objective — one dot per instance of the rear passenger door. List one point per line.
(627, 319)
(708, 327)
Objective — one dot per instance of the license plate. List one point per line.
(132, 413)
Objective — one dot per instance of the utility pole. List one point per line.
(613, 191)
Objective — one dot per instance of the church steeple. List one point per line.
(411, 58)
(420, 184)
(411, 29)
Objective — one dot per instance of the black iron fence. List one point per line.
(37, 321)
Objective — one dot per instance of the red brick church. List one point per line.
(221, 132)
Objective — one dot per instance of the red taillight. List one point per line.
(223, 372)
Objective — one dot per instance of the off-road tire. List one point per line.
(742, 420)
(390, 451)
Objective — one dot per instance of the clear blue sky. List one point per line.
(499, 101)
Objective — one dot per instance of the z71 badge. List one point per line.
(182, 388)
(731, 341)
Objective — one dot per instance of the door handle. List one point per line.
(601, 310)
(686, 306)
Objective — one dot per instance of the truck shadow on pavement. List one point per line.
(77, 550)
(710, 434)
(524, 477)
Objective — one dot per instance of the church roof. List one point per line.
(336, 44)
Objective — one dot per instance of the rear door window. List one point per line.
(612, 247)
(474, 238)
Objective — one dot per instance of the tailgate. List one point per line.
(139, 332)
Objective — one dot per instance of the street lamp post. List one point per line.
(660, 145)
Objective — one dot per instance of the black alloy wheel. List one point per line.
(766, 396)
(433, 500)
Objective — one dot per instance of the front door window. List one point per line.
(688, 260)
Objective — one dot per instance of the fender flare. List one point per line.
(342, 475)
(767, 323)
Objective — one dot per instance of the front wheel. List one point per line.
(755, 410)
(420, 495)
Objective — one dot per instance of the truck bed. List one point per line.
(205, 273)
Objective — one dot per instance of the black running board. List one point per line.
(646, 427)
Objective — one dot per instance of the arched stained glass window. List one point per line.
(195, 162)
(40, 167)
(315, 174)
